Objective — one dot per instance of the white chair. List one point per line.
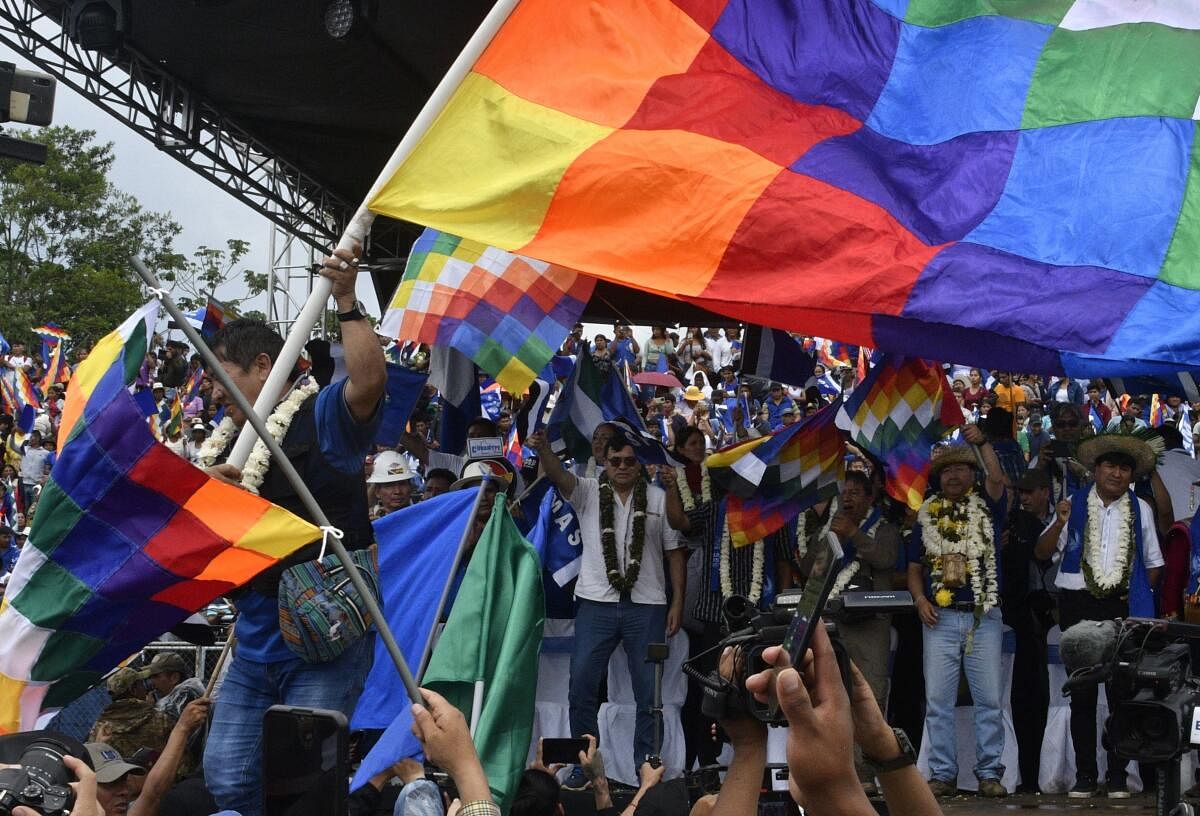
(964, 732)
(618, 716)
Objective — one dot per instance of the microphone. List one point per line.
(1088, 644)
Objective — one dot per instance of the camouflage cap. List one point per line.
(165, 662)
(124, 679)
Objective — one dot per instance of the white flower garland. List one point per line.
(847, 573)
(756, 567)
(255, 469)
(685, 490)
(975, 542)
(802, 528)
(1118, 575)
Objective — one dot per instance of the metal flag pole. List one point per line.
(278, 457)
(360, 223)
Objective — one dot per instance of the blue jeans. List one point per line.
(599, 627)
(945, 647)
(233, 755)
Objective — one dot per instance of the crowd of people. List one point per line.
(1056, 502)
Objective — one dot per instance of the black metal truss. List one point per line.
(139, 93)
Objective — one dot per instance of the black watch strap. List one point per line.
(355, 313)
(906, 757)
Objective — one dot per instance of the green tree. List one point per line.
(195, 281)
(66, 234)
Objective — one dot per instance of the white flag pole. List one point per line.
(360, 223)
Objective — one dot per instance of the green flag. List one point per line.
(493, 635)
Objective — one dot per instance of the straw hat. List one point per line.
(1143, 447)
(951, 455)
(693, 392)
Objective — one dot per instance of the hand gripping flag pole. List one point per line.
(332, 536)
(360, 223)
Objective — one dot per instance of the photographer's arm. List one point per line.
(592, 763)
(162, 775)
(650, 777)
(748, 736)
(821, 738)
(904, 788)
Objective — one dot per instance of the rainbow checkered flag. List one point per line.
(506, 312)
(128, 540)
(773, 479)
(902, 408)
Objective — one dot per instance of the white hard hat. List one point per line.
(390, 467)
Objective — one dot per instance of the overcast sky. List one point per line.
(209, 215)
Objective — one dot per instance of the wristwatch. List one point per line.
(906, 757)
(359, 312)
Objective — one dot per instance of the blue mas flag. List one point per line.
(555, 536)
(404, 388)
(416, 551)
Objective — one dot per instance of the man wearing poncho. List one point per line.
(1109, 560)
(952, 575)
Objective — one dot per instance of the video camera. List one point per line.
(40, 782)
(751, 631)
(1155, 698)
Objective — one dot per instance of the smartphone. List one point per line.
(564, 751)
(306, 762)
(826, 561)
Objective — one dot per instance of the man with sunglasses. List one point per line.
(1057, 459)
(621, 589)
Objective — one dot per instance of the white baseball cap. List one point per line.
(390, 467)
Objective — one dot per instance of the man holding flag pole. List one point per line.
(327, 433)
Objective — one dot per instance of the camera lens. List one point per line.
(43, 759)
(738, 612)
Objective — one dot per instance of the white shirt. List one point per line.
(1151, 556)
(720, 350)
(33, 465)
(593, 582)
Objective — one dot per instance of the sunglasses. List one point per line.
(622, 461)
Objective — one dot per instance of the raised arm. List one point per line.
(994, 482)
(551, 465)
(162, 775)
(365, 368)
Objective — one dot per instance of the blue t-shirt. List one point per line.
(775, 411)
(345, 444)
(916, 548)
(623, 353)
